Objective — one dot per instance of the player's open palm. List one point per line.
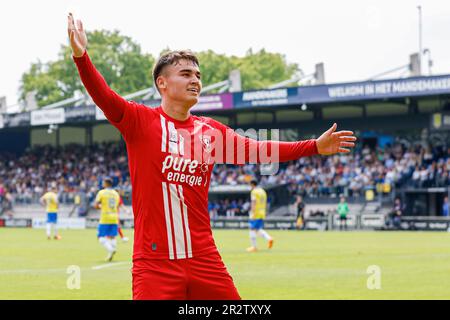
(331, 142)
(77, 36)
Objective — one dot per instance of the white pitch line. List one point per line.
(107, 265)
(32, 271)
(61, 270)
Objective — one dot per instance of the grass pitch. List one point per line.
(301, 265)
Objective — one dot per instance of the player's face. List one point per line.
(182, 82)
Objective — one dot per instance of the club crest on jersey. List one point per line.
(206, 143)
(173, 136)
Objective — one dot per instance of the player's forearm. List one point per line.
(278, 151)
(104, 97)
(294, 150)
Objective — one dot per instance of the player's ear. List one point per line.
(161, 82)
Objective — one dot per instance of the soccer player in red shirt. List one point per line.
(171, 154)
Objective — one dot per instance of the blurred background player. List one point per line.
(300, 205)
(81, 202)
(50, 201)
(123, 208)
(257, 216)
(107, 200)
(342, 210)
(6, 203)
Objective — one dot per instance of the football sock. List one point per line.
(113, 244)
(105, 242)
(49, 228)
(253, 238)
(264, 234)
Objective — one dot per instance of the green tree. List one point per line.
(258, 70)
(214, 67)
(261, 69)
(118, 58)
(126, 69)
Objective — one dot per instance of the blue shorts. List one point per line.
(256, 224)
(107, 230)
(52, 217)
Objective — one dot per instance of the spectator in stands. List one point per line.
(443, 179)
(394, 217)
(212, 209)
(445, 207)
(7, 204)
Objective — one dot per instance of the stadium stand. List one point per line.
(403, 126)
(382, 170)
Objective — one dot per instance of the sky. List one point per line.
(355, 39)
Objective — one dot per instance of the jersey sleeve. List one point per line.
(238, 149)
(125, 115)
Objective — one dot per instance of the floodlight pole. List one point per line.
(420, 39)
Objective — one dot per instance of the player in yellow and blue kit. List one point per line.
(50, 201)
(108, 201)
(257, 216)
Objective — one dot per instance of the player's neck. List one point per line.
(176, 111)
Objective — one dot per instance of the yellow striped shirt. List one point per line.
(259, 197)
(109, 203)
(51, 201)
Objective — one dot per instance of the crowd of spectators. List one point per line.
(23, 178)
(73, 167)
(229, 208)
(378, 169)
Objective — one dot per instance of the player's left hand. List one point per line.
(331, 142)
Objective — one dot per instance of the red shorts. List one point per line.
(198, 278)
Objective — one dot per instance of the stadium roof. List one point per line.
(403, 93)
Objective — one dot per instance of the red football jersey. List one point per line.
(170, 164)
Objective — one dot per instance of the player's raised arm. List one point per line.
(104, 97)
(244, 149)
(77, 36)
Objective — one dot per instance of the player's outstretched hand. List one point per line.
(77, 36)
(331, 142)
